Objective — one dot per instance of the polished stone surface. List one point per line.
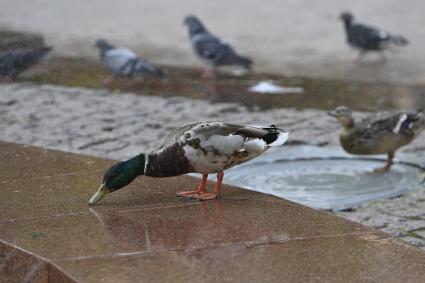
(17, 265)
(143, 233)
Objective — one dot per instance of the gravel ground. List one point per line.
(118, 125)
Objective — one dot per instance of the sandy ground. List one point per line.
(290, 37)
(120, 125)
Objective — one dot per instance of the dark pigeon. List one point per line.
(366, 38)
(211, 49)
(123, 62)
(13, 62)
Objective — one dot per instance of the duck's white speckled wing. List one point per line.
(208, 129)
(174, 136)
(215, 146)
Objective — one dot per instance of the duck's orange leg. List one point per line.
(387, 166)
(206, 195)
(201, 189)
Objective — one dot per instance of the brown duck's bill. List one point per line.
(101, 192)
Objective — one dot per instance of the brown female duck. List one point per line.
(384, 133)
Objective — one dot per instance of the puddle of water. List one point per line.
(317, 93)
(324, 178)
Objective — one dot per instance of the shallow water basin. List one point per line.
(325, 178)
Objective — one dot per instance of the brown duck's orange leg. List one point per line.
(201, 189)
(387, 165)
(215, 193)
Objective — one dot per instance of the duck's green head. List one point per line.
(344, 115)
(119, 176)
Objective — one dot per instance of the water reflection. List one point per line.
(318, 93)
(211, 224)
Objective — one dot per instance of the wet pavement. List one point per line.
(317, 93)
(144, 233)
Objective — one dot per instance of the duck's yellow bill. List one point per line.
(101, 192)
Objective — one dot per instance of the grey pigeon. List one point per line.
(13, 62)
(366, 38)
(211, 49)
(122, 62)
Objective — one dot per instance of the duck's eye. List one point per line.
(113, 176)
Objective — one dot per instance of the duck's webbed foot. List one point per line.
(187, 194)
(387, 166)
(215, 193)
(205, 196)
(201, 189)
(382, 170)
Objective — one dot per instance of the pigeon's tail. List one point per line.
(399, 40)
(47, 49)
(158, 73)
(141, 66)
(43, 51)
(244, 62)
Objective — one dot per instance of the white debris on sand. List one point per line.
(269, 87)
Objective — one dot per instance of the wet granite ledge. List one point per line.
(17, 265)
(145, 234)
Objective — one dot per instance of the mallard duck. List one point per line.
(384, 133)
(206, 147)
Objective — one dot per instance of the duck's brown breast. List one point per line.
(370, 144)
(168, 162)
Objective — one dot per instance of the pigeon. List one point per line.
(122, 62)
(366, 38)
(13, 62)
(211, 49)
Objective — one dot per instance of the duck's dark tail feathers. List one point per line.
(275, 136)
(244, 62)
